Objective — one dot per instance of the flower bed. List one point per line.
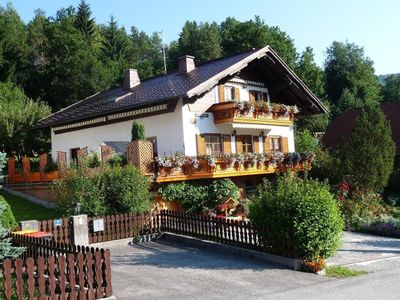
(257, 109)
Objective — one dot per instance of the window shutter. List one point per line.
(201, 145)
(237, 94)
(285, 144)
(239, 144)
(221, 93)
(256, 144)
(267, 148)
(226, 138)
(252, 96)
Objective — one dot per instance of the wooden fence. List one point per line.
(51, 270)
(124, 226)
(61, 234)
(232, 232)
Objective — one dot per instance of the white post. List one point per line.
(81, 230)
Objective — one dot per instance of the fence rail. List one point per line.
(232, 232)
(127, 225)
(51, 270)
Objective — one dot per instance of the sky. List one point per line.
(375, 25)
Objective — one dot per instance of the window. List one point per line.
(275, 144)
(247, 141)
(229, 93)
(153, 141)
(213, 144)
(258, 96)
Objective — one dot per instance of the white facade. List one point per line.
(175, 131)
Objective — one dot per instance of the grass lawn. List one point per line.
(26, 210)
(342, 272)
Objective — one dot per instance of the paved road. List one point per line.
(159, 270)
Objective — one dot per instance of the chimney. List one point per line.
(131, 79)
(186, 64)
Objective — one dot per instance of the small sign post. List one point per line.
(98, 225)
(57, 222)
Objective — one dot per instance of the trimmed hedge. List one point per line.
(300, 214)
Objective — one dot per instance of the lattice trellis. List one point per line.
(140, 154)
(106, 153)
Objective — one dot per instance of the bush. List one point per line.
(298, 213)
(92, 161)
(137, 131)
(7, 218)
(359, 206)
(105, 191)
(306, 142)
(387, 226)
(200, 195)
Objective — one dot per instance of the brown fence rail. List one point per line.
(232, 232)
(124, 226)
(61, 234)
(55, 271)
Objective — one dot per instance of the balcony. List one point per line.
(180, 167)
(262, 113)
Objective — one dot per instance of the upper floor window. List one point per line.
(275, 144)
(247, 141)
(213, 144)
(258, 96)
(229, 92)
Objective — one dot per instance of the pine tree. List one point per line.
(115, 43)
(367, 155)
(84, 22)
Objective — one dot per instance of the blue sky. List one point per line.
(375, 25)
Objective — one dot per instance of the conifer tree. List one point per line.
(84, 22)
(367, 155)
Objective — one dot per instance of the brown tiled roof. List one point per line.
(344, 124)
(169, 87)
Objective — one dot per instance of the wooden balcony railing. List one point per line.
(254, 113)
(179, 167)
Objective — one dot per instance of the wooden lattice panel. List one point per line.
(106, 153)
(140, 154)
(82, 153)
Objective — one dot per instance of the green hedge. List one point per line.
(7, 219)
(298, 214)
(105, 190)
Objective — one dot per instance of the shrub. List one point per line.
(137, 131)
(359, 206)
(92, 161)
(298, 213)
(387, 226)
(79, 187)
(125, 189)
(105, 191)
(7, 217)
(306, 142)
(200, 195)
(6, 248)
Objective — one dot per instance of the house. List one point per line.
(343, 125)
(245, 102)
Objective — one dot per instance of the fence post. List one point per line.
(80, 230)
(42, 165)
(11, 169)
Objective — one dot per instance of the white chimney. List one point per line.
(131, 79)
(186, 64)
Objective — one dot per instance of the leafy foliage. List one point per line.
(6, 248)
(350, 78)
(367, 155)
(200, 196)
(306, 142)
(298, 212)
(7, 218)
(138, 131)
(17, 114)
(391, 88)
(105, 191)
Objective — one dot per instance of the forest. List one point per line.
(53, 61)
